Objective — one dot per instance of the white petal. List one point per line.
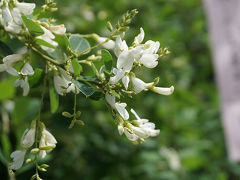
(42, 143)
(3, 67)
(13, 28)
(118, 75)
(59, 29)
(139, 38)
(152, 47)
(120, 46)
(163, 91)
(139, 85)
(135, 114)
(110, 98)
(18, 158)
(6, 15)
(17, 16)
(28, 138)
(120, 129)
(149, 60)
(131, 137)
(122, 111)
(125, 61)
(139, 132)
(12, 71)
(27, 70)
(49, 138)
(26, 8)
(11, 59)
(125, 81)
(59, 84)
(108, 45)
(25, 87)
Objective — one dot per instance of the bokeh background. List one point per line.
(191, 144)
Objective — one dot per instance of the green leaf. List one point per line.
(97, 95)
(54, 100)
(4, 49)
(77, 68)
(86, 89)
(107, 58)
(44, 43)
(62, 41)
(78, 44)
(36, 78)
(33, 28)
(7, 89)
(89, 79)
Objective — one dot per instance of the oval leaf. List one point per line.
(107, 58)
(76, 67)
(54, 100)
(86, 89)
(78, 44)
(33, 28)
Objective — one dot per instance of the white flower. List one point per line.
(108, 45)
(125, 81)
(130, 136)
(23, 83)
(28, 138)
(121, 108)
(26, 8)
(120, 129)
(48, 37)
(162, 90)
(27, 70)
(63, 83)
(58, 29)
(125, 60)
(119, 74)
(10, 61)
(18, 158)
(110, 98)
(172, 157)
(149, 57)
(47, 139)
(139, 38)
(139, 85)
(120, 46)
(6, 15)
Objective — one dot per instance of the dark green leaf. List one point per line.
(54, 100)
(78, 44)
(4, 49)
(97, 95)
(36, 78)
(77, 68)
(107, 58)
(33, 28)
(86, 89)
(89, 79)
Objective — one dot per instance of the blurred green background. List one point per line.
(191, 143)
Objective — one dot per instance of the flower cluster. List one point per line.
(47, 143)
(130, 59)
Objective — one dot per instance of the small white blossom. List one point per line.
(26, 8)
(47, 139)
(162, 90)
(48, 37)
(28, 137)
(27, 70)
(23, 83)
(121, 108)
(110, 98)
(58, 29)
(139, 38)
(108, 45)
(120, 46)
(139, 85)
(18, 159)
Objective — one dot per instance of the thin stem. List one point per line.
(38, 120)
(74, 109)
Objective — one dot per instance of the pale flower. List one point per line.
(26, 8)
(23, 83)
(108, 45)
(18, 159)
(139, 38)
(139, 85)
(121, 108)
(110, 98)
(120, 46)
(48, 37)
(47, 140)
(27, 70)
(28, 137)
(162, 90)
(58, 29)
